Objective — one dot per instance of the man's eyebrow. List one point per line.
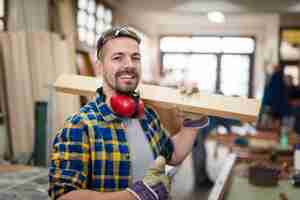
(122, 53)
(117, 53)
(136, 54)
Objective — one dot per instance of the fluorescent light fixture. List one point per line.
(216, 17)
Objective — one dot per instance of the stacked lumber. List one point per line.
(29, 15)
(41, 62)
(64, 62)
(32, 61)
(19, 91)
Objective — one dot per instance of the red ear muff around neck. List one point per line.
(140, 110)
(127, 106)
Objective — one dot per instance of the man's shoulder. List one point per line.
(86, 114)
(150, 113)
(73, 130)
(90, 107)
(76, 125)
(89, 112)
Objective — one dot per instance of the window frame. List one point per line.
(83, 45)
(219, 57)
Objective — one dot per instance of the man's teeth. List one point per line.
(127, 76)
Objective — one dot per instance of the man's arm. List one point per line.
(183, 143)
(184, 140)
(93, 195)
(155, 185)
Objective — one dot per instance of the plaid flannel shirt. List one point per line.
(91, 151)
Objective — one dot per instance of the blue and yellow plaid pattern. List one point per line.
(91, 151)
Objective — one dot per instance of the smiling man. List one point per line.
(111, 149)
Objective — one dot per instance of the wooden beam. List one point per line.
(19, 92)
(240, 108)
(64, 63)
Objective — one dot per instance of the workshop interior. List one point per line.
(242, 56)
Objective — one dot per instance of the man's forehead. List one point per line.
(122, 44)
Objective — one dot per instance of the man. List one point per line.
(275, 105)
(106, 150)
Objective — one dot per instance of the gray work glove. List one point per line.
(156, 185)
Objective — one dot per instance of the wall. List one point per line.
(148, 46)
(264, 27)
(290, 20)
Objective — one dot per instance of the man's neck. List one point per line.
(108, 92)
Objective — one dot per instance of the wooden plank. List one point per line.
(222, 182)
(6, 61)
(23, 77)
(21, 96)
(34, 53)
(29, 15)
(8, 168)
(41, 63)
(15, 105)
(203, 103)
(48, 72)
(64, 104)
(66, 17)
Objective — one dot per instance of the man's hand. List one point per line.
(156, 185)
(191, 120)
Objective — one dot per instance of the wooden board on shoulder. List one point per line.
(244, 109)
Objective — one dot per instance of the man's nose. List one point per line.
(129, 62)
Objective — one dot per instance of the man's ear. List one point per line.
(99, 66)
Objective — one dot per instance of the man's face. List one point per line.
(121, 64)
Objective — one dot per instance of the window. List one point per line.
(92, 19)
(216, 63)
(292, 71)
(2, 15)
(234, 74)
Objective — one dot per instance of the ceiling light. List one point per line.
(216, 16)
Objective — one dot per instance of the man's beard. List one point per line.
(123, 88)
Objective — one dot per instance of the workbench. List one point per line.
(240, 189)
(239, 186)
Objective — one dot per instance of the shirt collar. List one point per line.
(103, 108)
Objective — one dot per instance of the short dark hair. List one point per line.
(115, 32)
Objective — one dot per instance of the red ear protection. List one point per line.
(127, 106)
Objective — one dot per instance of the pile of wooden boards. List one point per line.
(32, 61)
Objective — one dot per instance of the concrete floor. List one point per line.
(26, 183)
(183, 187)
(23, 183)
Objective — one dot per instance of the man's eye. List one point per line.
(137, 58)
(117, 58)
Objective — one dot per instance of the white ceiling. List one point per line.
(203, 6)
(184, 16)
